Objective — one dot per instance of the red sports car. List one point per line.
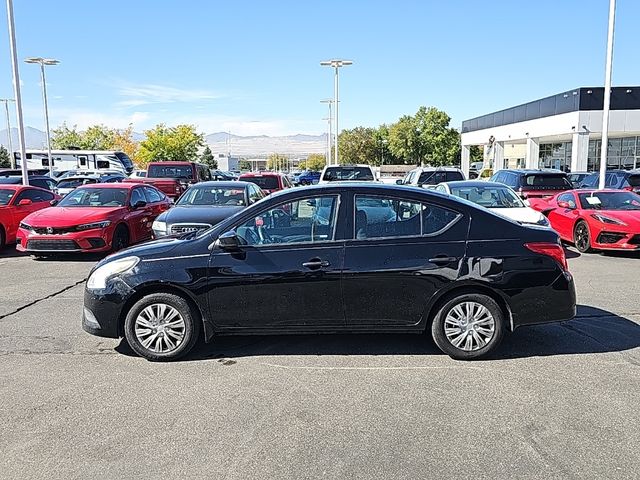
(16, 202)
(595, 219)
(93, 218)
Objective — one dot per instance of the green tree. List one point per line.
(123, 140)
(5, 159)
(162, 143)
(314, 162)
(245, 166)
(64, 137)
(476, 154)
(358, 145)
(207, 158)
(277, 161)
(425, 138)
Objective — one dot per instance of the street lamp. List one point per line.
(42, 62)
(607, 96)
(329, 102)
(336, 64)
(9, 141)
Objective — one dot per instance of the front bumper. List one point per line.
(103, 309)
(612, 240)
(95, 240)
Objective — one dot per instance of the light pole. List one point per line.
(16, 90)
(336, 64)
(607, 96)
(9, 141)
(329, 102)
(42, 62)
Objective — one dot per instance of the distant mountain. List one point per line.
(33, 138)
(219, 142)
(263, 145)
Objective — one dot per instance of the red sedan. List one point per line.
(595, 219)
(16, 202)
(93, 218)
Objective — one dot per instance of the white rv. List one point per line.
(78, 160)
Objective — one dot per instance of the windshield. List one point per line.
(170, 171)
(266, 183)
(6, 196)
(609, 201)
(547, 181)
(489, 196)
(333, 174)
(95, 197)
(76, 182)
(227, 196)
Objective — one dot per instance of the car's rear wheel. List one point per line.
(582, 237)
(162, 326)
(3, 238)
(120, 238)
(468, 326)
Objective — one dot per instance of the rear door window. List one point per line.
(152, 195)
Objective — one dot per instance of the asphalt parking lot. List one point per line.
(559, 401)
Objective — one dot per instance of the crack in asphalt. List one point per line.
(38, 300)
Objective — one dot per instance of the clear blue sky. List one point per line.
(252, 67)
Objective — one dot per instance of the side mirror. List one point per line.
(399, 182)
(564, 205)
(54, 202)
(229, 241)
(24, 202)
(140, 204)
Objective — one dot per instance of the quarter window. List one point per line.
(309, 220)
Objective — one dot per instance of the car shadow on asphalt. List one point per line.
(592, 331)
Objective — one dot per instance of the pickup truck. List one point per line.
(173, 178)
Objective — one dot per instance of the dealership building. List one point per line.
(563, 131)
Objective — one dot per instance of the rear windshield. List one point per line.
(559, 181)
(436, 177)
(634, 180)
(10, 180)
(170, 171)
(76, 182)
(333, 174)
(266, 183)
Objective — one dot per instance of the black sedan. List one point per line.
(204, 205)
(353, 258)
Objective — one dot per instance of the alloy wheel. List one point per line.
(469, 326)
(581, 237)
(160, 328)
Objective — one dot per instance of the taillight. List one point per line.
(177, 188)
(628, 188)
(552, 250)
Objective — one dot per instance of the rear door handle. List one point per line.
(443, 260)
(315, 264)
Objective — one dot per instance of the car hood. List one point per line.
(211, 214)
(69, 216)
(520, 214)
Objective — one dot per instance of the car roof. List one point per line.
(374, 187)
(262, 174)
(19, 186)
(229, 183)
(594, 190)
(80, 177)
(473, 183)
(348, 165)
(127, 185)
(530, 171)
(174, 163)
(437, 169)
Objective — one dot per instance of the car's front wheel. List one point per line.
(162, 326)
(582, 237)
(468, 326)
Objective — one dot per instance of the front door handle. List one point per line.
(315, 264)
(443, 260)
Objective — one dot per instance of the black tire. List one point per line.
(120, 238)
(582, 237)
(457, 352)
(3, 238)
(191, 327)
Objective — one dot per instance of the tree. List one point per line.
(245, 166)
(358, 145)
(314, 162)
(162, 143)
(425, 138)
(476, 154)
(123, 140)
(64, 137)
(5, 159)
(276, 161)
(207, 158)
(95, 137)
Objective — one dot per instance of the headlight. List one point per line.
(160, 227)
(25, 226)
(544, 221)
(99, 277)
(607, 220)
(90, 226)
